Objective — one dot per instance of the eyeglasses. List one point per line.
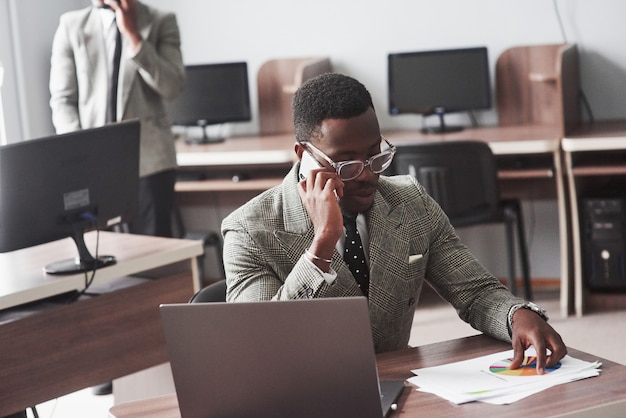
(349, 170)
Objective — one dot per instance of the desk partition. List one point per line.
(595, 157)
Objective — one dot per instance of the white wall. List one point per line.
(26, 31)
(9, 87)
(357, 35)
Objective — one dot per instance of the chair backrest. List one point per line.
(215, 292)
(277, 81)
(460, 175)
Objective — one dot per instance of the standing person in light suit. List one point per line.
(151, 70)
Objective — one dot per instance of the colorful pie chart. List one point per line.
(528, 367)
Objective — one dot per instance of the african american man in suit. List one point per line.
(287, 242)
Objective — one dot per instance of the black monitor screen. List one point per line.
(440, 82)
(213, 94)
(63, 185)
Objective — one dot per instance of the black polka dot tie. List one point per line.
(354, 255)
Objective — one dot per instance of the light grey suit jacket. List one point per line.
(78, 80)
(410, 241)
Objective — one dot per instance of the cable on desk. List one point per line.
(88, 279)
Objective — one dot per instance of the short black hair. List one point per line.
(327, 96)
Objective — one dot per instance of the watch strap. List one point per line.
(526, 305)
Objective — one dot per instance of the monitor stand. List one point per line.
(85, 262)
(205, 139)
(442, 128)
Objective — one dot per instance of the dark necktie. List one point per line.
(354, 255)
(115, 75)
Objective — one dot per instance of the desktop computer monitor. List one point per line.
(439, 82)
(214, 94)
(64, 185)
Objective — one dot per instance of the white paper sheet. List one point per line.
(488, 378)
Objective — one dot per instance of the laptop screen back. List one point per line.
(290, 358)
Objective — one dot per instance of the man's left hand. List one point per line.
(529, 329)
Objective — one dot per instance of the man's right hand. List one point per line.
(320, 194)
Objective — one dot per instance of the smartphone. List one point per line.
(307, 163)
(106, 6)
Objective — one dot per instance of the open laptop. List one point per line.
(300, 358)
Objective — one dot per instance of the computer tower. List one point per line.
(604, 243)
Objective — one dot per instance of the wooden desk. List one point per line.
(592, 154)
(52, 349)
(526, 154)
(241, 151)
(518, 149)
(608, 387)
(276, 151)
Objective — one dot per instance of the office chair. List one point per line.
(215, 292)
(462, 177)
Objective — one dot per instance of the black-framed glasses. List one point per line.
(349, 170)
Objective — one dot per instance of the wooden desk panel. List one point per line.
(608, 387)
(50, 349)
(97, 339)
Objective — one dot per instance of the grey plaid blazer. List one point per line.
(410, 241)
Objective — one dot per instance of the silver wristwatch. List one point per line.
(526, 305)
